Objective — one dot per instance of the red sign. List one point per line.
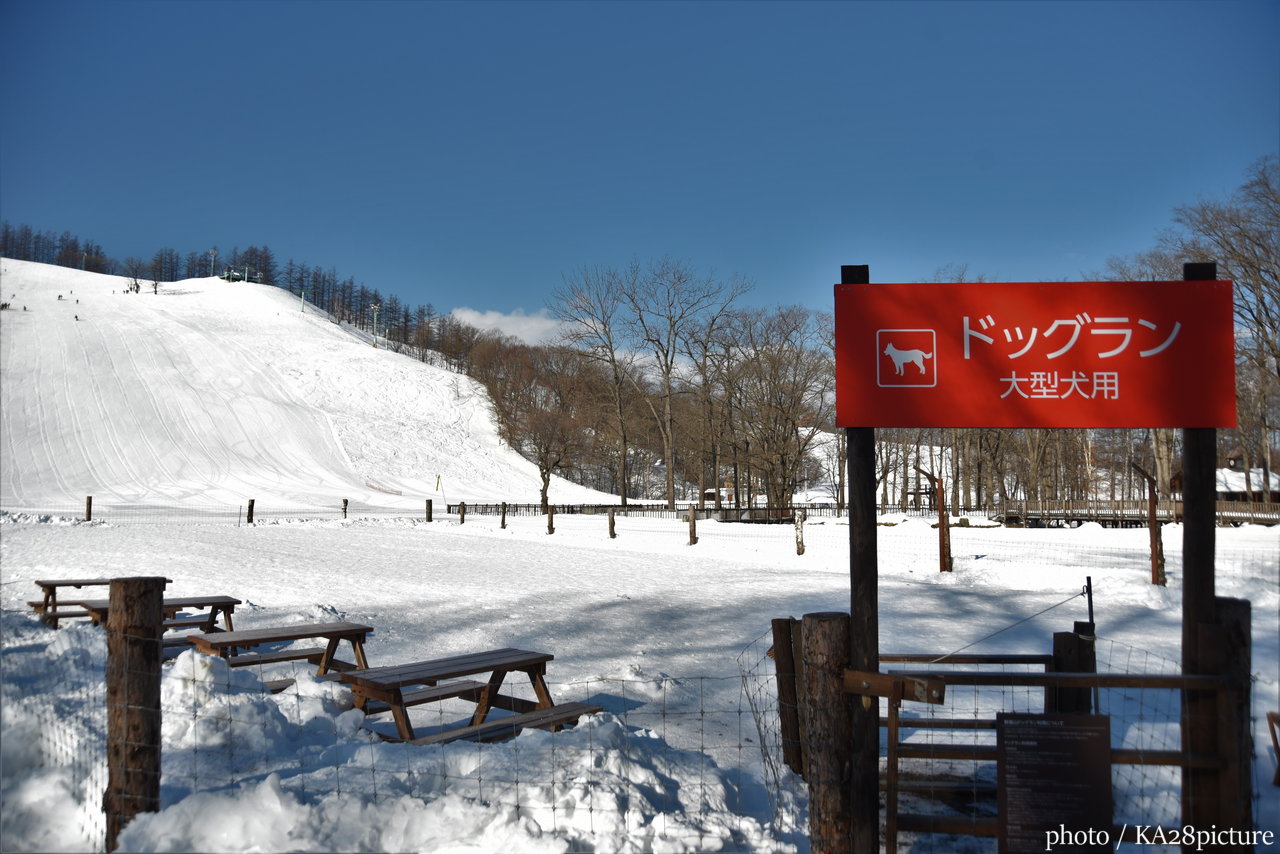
(1048, 354)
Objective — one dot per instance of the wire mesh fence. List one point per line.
(53, 747)
(669, 763)
(672, 763)
(687, 763)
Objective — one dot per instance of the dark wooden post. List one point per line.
(462, 512)
(344, 508)
(249, 518)
(1073, 652)
(788, 705)
(502, 522)
(613, 532)
(693, 526)
(1153, 527)
(133, 701)
(88, 508)
(428, 509)
(1200, 801)
(945, 564)
(864, 630)
(832, 825)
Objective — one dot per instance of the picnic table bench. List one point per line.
(99, 609)
(381, 689)
(224, 644)
(47, 606)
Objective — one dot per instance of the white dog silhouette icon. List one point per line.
(902, 358)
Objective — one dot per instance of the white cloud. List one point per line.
(536, 328)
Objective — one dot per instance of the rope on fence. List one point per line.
(1013, 625)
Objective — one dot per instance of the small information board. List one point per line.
(1054, 777)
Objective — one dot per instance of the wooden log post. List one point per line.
(462, 512)
(788, 704)
(248, 519)
(344, 508)
(88, 508)
(551, 519)
(502, 518)
(1226, 649)
(1153, 528)
(613, 531)
(693, 526)
(830, 733)
(428, 509)
(133, 701)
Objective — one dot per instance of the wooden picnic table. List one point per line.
(225, 605)
(47, 605)
(224, 644)
(382, 688)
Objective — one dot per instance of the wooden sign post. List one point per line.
(1082, 354)
(864, 623)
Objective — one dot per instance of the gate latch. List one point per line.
(921, 689)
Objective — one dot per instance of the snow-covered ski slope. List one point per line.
(213, 392)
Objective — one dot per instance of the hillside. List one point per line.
(213, 392)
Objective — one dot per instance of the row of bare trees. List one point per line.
(1241, 234)
(661, 370)
(746, 416)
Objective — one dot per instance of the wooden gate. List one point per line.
(1216, 781)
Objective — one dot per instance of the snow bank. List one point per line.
(246, 770)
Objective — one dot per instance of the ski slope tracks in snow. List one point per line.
(214, 392)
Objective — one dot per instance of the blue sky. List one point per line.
(472, 154)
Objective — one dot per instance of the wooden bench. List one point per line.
(313, 654)
(189, 623)
(399, 686)
(52, 617)
(465, 688)
(99, 610)
(47, 606)
(553, 717)
(225, 643)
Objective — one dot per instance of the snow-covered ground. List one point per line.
(213, 393)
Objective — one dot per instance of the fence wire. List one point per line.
(669, 764)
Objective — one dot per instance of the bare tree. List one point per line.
(134, 270)
(590, 303)
(1242, 235)
(540, 394)
(783, 382)
(664, 303)
(706, 347)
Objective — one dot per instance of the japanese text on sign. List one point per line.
(1086, 354)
